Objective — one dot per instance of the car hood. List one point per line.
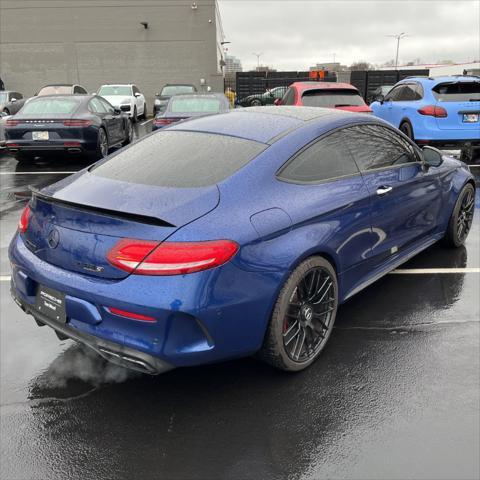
(117, 99)
(177, 206)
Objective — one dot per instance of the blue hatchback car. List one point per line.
(443, 111)
(233, 234)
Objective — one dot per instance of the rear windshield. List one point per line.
(56, 90)
(171, 90)
(180, 159)
(331, 98)
(50, 106)
(189, 104)
(115, 90)
(457, 92)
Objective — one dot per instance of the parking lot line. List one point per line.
(146, 121)
(409, 271)
(36, 173)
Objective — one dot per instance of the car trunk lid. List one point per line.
(70, 230)
(461, 101)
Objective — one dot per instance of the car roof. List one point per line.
(260, 124)
(60, 85)
(117, 85)
(443, 79)
(323, 85)
(63, 95)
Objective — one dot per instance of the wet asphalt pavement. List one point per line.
(395, 394)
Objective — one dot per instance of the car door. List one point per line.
(406, 199)
(109, 119)
(405, 101)
(115, 121)
(327, 192)
(385, 109)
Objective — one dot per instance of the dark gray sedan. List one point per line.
(181, 107)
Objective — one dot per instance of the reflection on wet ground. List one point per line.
(395, 394)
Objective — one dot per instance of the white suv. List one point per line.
(121, 95)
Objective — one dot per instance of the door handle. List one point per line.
(383, 190)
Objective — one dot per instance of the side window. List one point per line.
(135, 90)
(326, 159)
(18, 95)
(289, 97)
(394, 93)
(408, 93)
(108, 108)
(374, 146)
(96, 106)
(419, 91)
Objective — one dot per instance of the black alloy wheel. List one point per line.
(303, 317)
(308, 317)
(462, 217)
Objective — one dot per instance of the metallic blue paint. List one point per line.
(223, 312)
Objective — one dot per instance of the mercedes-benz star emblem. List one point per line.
(53, 238)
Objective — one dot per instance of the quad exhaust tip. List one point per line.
(127, 362)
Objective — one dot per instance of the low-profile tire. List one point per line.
(129, 133)
(461, 220)
(135, 116)
(303, 316)
(256, 102)
(407, 129)
(102, 146)
(144, 114)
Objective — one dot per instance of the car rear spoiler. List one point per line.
(98, 210)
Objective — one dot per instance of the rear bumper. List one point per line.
(199, 319)
(68, 146)
(455, 144)
(113, 352)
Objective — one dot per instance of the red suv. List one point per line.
(325, 94)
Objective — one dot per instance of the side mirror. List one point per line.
(209, 88)
(117, 111)
(137, 94)
(123, 108)
(277, 102)
(379, 98)
(157, 94)
(13, 100)
(432, 156)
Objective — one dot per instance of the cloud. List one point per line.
(296, 34)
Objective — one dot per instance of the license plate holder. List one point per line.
(51, 303)
(470, 118)
(40, 136)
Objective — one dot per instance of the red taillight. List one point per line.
(433, 111)
(170, 258)
(24, 219)
(12, 123)
(77, 123)
(72, 144)
(163, 121)
(134, 316)
(12, 145)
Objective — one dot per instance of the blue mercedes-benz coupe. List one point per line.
(233, 234)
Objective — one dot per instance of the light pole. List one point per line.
(258, 55)
(398, 37)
